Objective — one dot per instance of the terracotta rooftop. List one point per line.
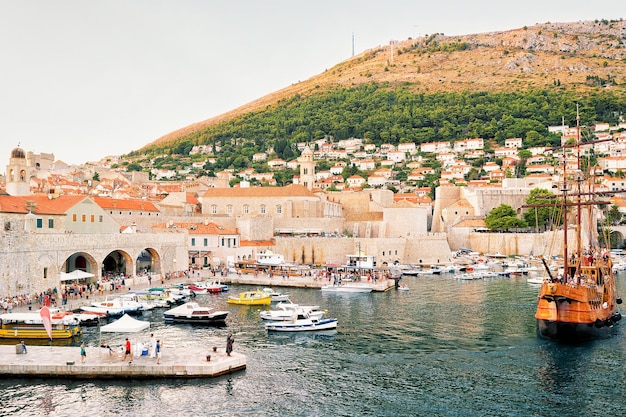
(119, 204)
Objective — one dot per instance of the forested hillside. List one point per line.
(436, 88)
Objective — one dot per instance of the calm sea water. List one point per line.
(445, 348)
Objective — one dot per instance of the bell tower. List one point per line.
(307, 168)
(18, 174)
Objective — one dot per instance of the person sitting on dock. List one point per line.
(24, 350)
(106, 346)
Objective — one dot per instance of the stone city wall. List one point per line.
(425, 249)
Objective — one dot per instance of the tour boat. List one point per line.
(580, 301)
(193, 313)
(302, 325)
(31, 326)
(251, 298)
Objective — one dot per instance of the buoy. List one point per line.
(619, 300)
(599, 323)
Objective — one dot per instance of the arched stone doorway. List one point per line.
(81, 261)
(117, 263)
(148, 262)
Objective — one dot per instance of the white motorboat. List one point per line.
(290, 305)
(193, 313)
(301, 325)
(347, 288)
(536, 280)
(283, 314)
(276, 296)
(403, 287)
(116, 306)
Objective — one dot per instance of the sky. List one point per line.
(89, 79)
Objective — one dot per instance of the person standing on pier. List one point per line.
(127, 351)
(229, 343)
(83, 353)
(158, 351)
(152, 346)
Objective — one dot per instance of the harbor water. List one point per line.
(445, 348)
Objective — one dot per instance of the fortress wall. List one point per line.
(545, 244)
(427, 248)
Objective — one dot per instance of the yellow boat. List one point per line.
(251, 298)
(30, 326)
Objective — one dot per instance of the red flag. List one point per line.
(47, 321)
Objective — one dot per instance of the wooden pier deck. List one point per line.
(64, 362)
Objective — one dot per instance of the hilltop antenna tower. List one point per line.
(391, 44)
(352, 44)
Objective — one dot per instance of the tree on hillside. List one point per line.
(503, 218)
(543, 217)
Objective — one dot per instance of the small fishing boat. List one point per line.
(193, 313)
(31, 326)
(276, 296)
(301, 325)
(403, 287)
(253, 298)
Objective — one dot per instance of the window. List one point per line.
(50, 223)
(222, 242)
(39, 223)
(206, 242)
(246, 209)
(100, 218)
(193, 241)
(93, 218)
(84, 218)
(45, 272)
(229, 210)
(214, 209)
(279, 209)
(263, 209)
(74, 217)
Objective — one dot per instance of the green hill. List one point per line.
(490, 85)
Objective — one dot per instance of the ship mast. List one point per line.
(579, 182)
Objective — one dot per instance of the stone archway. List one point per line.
(117, 263)
(148, 262)
(81, 261)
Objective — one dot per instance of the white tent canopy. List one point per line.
(75, 275)
(125, 324)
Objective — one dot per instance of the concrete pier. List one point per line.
(64, 362)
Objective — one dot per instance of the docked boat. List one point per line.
(208, 287)
(31, 326)
(347, 288)
(301, 325)
(403, 287)
(284, 314)
(276, 296)
(114, 307)
(251, 298)
(290, 305)
(579, 301)
(193, 313)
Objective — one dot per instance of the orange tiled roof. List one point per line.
(199, 228)
(256, 243)
(43, 204)
(123, 204)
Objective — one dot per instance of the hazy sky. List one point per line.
(87, 79)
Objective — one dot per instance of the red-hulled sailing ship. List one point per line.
(579, 301)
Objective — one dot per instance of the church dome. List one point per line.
(18, 153)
